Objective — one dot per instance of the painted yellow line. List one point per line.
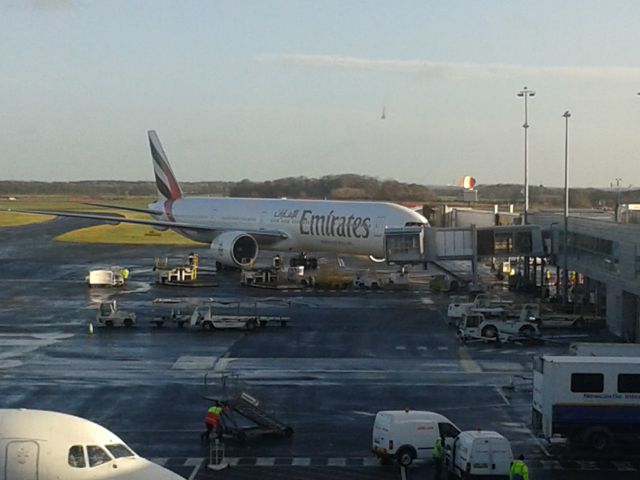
(467, 363)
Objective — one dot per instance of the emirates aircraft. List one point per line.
(237, 228)
(43, 445)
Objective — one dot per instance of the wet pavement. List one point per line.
(344, 356)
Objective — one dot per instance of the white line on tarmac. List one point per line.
(503, 396)
(539, 443)
(195, 471)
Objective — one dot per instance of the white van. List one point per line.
(479, 453)
(409, 434)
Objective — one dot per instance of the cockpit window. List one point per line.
(119, 450)
(76, 457)
(413, 224)
(97, 456)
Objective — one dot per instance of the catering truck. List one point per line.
(587, 400)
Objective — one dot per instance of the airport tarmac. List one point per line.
(344, 356)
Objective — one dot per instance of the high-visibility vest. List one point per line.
(213, 416)
(519, 471)
(437, 450)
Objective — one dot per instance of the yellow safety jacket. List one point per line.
(519, 471)
(437, 453)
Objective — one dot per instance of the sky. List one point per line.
(269, 89)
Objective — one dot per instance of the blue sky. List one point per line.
(267, 89)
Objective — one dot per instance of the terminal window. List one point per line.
(587, 382)
(629, 383)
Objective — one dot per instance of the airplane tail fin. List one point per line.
(166, 183)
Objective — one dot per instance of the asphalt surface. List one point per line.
(344, 356)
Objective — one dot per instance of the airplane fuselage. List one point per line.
(307, 225)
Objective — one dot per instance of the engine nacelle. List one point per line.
(235, 249)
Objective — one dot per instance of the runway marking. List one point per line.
(442, 348)
(195, 471)
(550, 465)
(265, 462)
(301, 462)
(587, 465)
(187, 362)
(401, 347)
(421, 347)
(538, 442)
(159, 461)
(503, 396)
(337, 462)
(193, 462)
(467, 363)
(624, 466)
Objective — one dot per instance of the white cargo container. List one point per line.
(592, 400)
(479, 453)
(407, 435)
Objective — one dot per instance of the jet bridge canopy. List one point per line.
(428, 244)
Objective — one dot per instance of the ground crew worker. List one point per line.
(519, 470)
(125, 273)
(211, 421)
(438, 455)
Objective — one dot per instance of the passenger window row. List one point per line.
(594, 383)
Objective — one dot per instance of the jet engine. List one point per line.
(235, 249)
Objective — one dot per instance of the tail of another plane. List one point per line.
(166, 183)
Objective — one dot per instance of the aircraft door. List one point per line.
(21, 461)
(378, 227)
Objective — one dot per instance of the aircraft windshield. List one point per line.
(97, 456)
(118, 450)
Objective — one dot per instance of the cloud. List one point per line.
(451, 71)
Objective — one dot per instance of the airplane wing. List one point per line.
(128, 209)
(262, 235)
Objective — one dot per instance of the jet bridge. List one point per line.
(421, 245)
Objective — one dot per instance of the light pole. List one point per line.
(618, 182)
(526, 93)
(565, 276)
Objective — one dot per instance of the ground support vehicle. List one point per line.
(110, 316)
(443, 283)
(225, 315)
(176, 274)
(457, 308)
(249, 408)
(474, 326)
(587, 400)
(277, 277)
(367, 279)
(407, 435)
(107, 277)
(478, 453)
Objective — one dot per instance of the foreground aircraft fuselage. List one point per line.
(44, 445)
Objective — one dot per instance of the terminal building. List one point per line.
(603, 253)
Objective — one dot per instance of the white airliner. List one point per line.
(43, 445)
(236, 228)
